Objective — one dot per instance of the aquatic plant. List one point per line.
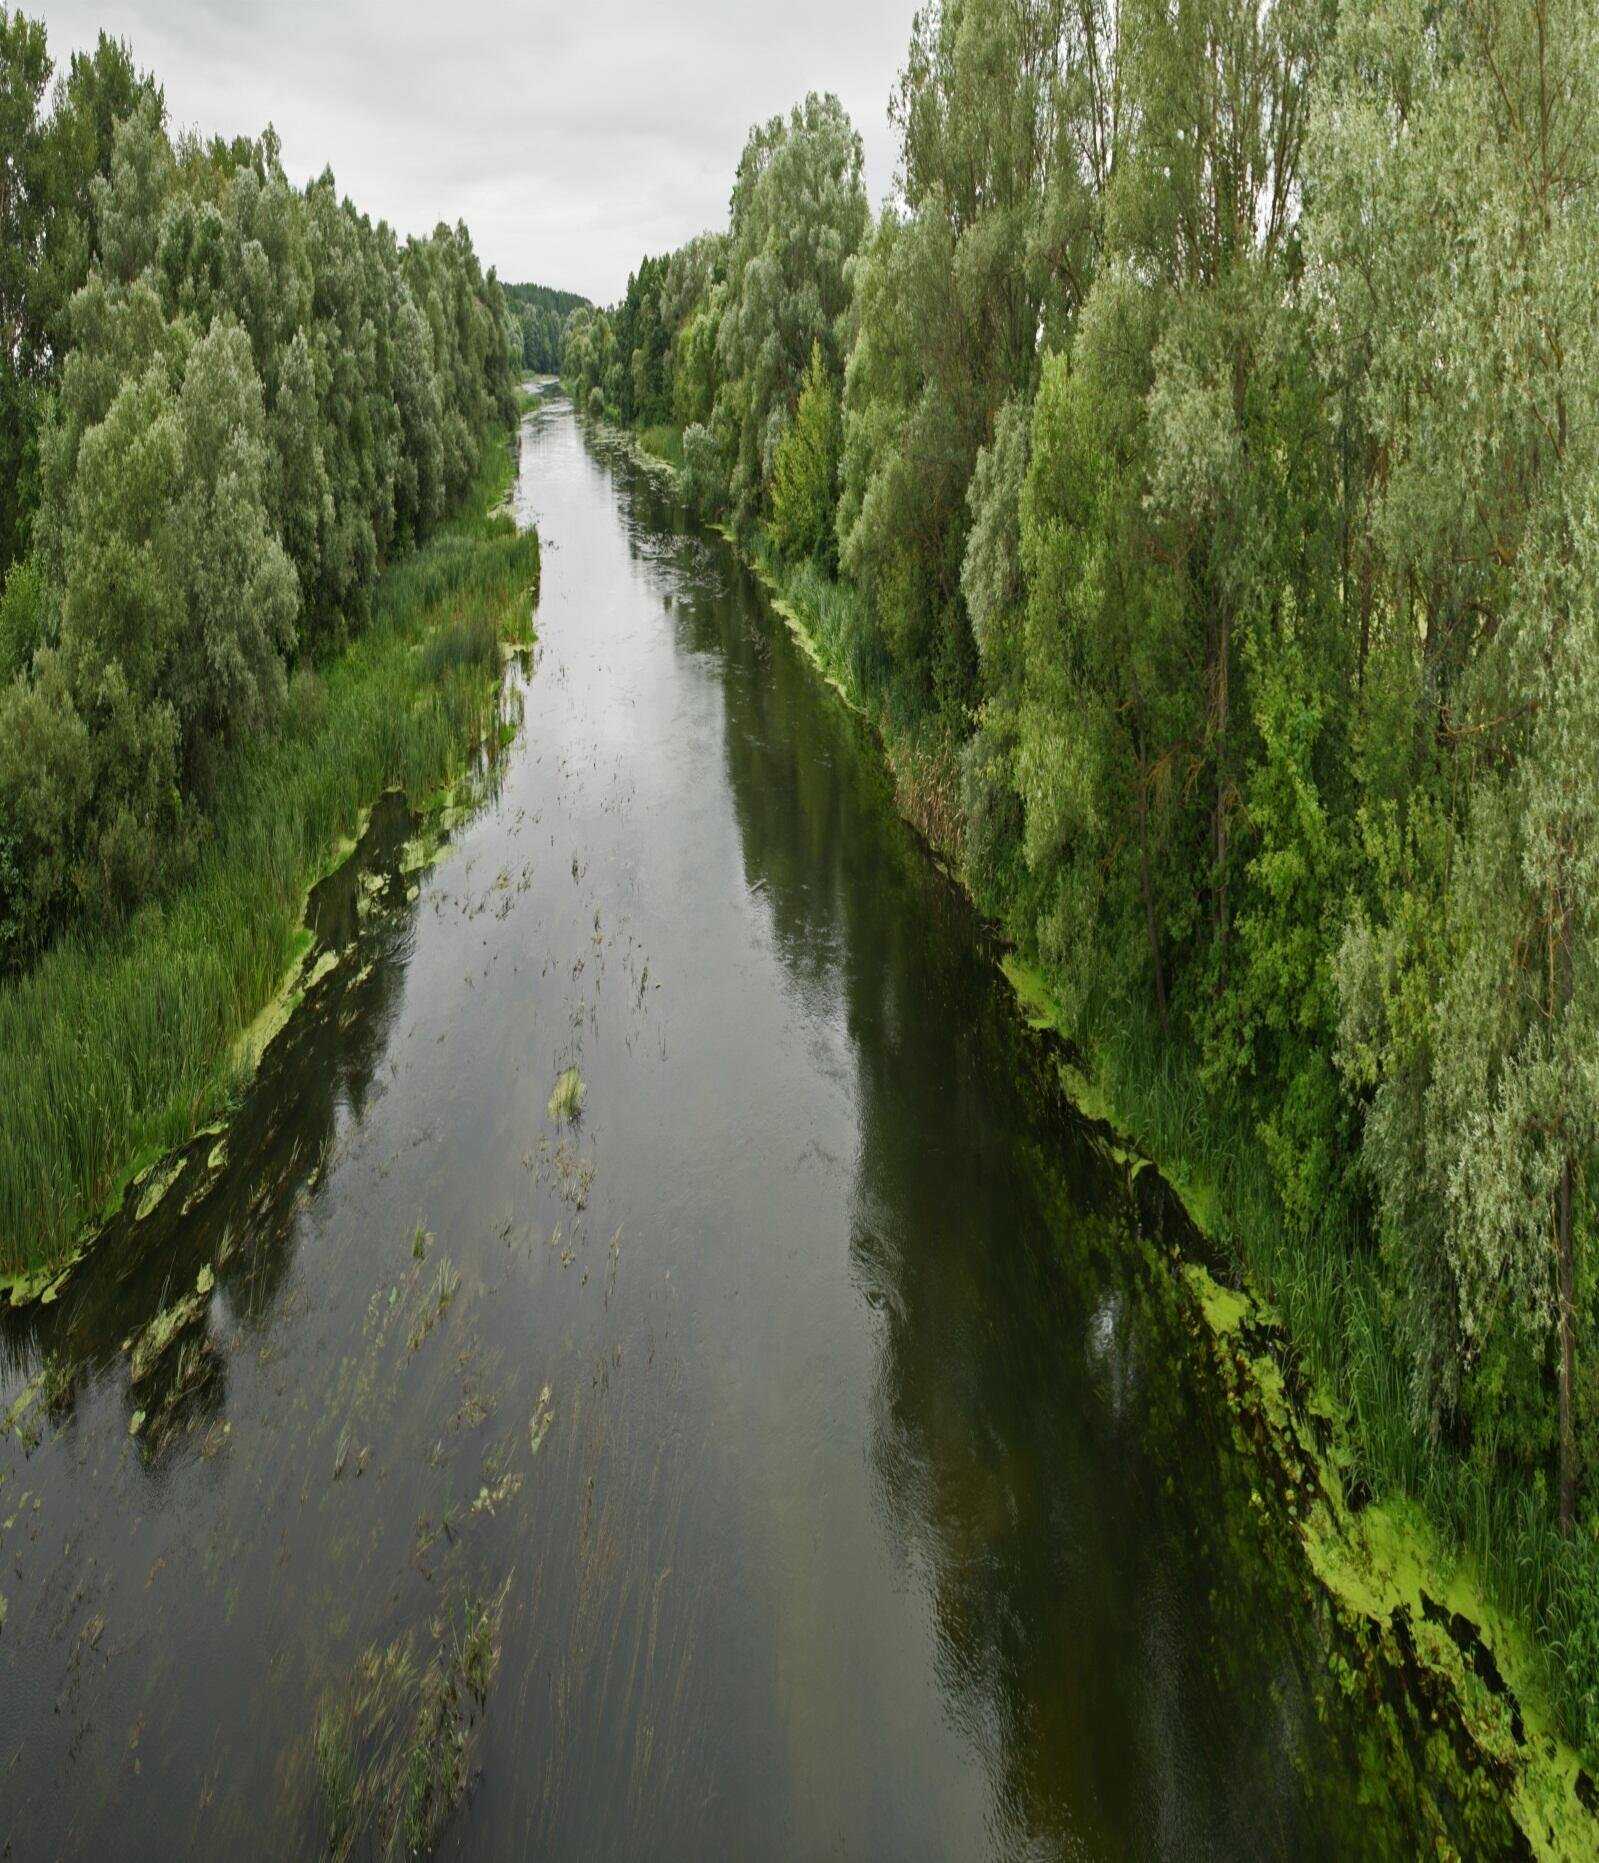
(393, 1748)
(566, 1100)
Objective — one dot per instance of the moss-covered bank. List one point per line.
(121, 1044)
(1450, 1686)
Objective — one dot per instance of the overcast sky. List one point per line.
(570, 137)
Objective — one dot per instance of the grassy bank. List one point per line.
(120, 1044)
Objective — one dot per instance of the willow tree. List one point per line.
(1006, 117)
(1457, 221)
(1204, 205)
(798, 217)
(1174, 541)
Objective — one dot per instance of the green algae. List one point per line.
(566, 1097)
(156, 1185)
(1383, 1573)
(1468, 1699)
(43, 1285)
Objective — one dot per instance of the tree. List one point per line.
(1455, 224)
(798, 216)
(1007, 123)
(805, 471)
(24, 73)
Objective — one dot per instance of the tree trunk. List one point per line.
(1223, 699)
(1568, 1351)
(1149, 904)
(1565, 1250)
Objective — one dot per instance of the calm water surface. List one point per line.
(852, 1481)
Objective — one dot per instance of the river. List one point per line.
(837, 1461)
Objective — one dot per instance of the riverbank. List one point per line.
(1395, 1534)
(118, 1046)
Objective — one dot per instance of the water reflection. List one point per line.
(1053, 1461)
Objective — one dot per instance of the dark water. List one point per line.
(879, 1503)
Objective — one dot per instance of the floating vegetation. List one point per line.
(16, 1419)
(570, 1171)
(394, 1748)
(539, 1423)
(189, 1371)
(435, 1303)
(157, 1185)
(151, 1345)
(491, 1498)
(566, 1101)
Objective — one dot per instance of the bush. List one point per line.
(704, 475)
(23, 614)
(805, 472)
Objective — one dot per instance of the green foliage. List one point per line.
(1278, 1022)
(798, 217)
(1002, 134)
(120, 1039)
(228, 404)
(704, 477)
(804, 489)
(24, 617)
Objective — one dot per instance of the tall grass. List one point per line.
(118, 1044)
(664, 442)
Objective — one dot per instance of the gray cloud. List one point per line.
(571, 138)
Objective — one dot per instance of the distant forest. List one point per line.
(542, 313)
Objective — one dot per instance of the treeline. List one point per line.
(538, 316)
(1195, 467)
(227, 403)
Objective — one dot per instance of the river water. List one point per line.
(841, 1470)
